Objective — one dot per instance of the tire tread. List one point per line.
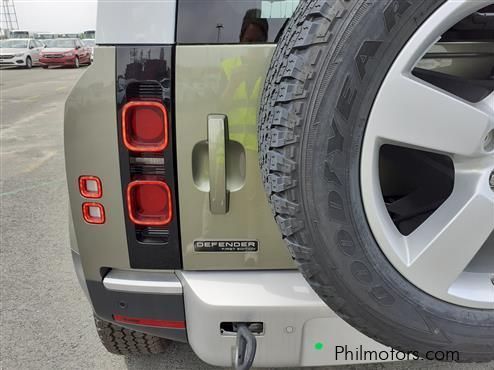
(289, 83)
(123, 341)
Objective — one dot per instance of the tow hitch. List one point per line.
(245, 350)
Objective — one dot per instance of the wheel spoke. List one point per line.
(413, 113)
(436, 244)
(442, 247)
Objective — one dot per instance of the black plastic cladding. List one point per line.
(146, 73)
(107, 303)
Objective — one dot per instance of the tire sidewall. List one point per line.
(377, 294)
(29, 63)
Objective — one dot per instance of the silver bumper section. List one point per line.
(298, 328)
(142, 282)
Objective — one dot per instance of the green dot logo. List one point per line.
(318, 346)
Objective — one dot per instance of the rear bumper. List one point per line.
(293, 316)
(296, 321)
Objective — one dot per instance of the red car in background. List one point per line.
(65, 52)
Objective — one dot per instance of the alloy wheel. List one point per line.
(449, 251)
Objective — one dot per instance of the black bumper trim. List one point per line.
(107, 303)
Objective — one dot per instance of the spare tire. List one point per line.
(341, 93)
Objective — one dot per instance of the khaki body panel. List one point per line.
(223, 80)
(72, 237)
(210, 80)
(91, 148)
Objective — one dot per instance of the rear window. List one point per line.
(232, 21)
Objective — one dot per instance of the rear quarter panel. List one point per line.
(91, 148)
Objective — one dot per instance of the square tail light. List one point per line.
(93, 213)
(90, 187)
(145, 126)
(149, 203)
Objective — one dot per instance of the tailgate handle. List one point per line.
(217, 140)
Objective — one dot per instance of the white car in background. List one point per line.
(20, 52)
(90, 44)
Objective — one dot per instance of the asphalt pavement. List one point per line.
(46, 322)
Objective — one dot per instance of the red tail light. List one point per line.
(93, 213)
(90, 187)
(149, 202)
(145, 126)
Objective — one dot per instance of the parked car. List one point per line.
(90, 44)
(65, 52)
(21, 34)
(20, 52)
(277, 187)
(89, 34)
(46, 36)
(69, 35)
(48, 42)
